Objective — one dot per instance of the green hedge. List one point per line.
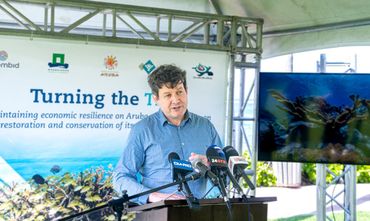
(265, 174)
(266, 177)
(309, 171)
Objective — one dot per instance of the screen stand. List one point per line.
(349, 190)
(321, 192)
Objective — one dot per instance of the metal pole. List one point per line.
(321, 170)
(239, 141)
(114, 23)
(350, 193)
(320, 192)
(322, 63)
(52, 17)
(206, 33)
(254, 155)
(350, 179)
(46, 17)
(169, 27)
(229, 102)
(104, 31)
(158, 30)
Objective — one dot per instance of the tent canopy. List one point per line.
(290, 25)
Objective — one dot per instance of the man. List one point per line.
(172, 129)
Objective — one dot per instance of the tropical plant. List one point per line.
(309, 171)
(363, 174)
(265, 174)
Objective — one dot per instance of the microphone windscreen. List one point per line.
(216, 157)
(211, 152)
(230, 151)
(173, 155)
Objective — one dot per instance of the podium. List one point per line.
(255, 209)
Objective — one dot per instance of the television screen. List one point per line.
(314, 117)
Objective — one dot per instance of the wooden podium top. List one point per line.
(180, 203)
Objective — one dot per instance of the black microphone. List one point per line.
(172, 156)
(237, 164)
(222, 165)
(180, 168)
(218, 164)
(204, 170)
(216, 157)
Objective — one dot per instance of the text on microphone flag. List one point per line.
(181, 164)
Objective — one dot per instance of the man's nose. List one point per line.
(175, 98)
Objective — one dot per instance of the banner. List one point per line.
(69, 106)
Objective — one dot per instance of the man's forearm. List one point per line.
(131, 185)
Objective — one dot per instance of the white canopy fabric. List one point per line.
(289, 25)
(301, 25)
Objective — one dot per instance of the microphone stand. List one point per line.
(119, 205)
(236, 184)
(222, 188)
(192, 201)
(246, 179)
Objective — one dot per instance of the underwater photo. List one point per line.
(314, 117)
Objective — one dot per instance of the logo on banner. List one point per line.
(3, 57)
(148, 66)
(111, 64)
(58, 64)
(203, 72)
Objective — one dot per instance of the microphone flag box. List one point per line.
(182, 166)
(237, 161)
(217, 161)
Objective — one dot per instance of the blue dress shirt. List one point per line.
(147, 148)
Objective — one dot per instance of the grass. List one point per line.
(361, 216)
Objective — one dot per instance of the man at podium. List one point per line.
(144, 162)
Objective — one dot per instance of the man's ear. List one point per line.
(155, 98)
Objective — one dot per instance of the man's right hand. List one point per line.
(194, 156)
(157, 196)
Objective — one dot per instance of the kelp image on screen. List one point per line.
(310, 129)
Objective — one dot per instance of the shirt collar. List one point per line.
(163, 120)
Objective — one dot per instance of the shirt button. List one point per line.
(182, 144)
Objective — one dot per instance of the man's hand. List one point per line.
(157, 196)
(194, 156)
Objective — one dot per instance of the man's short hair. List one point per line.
(168, 75)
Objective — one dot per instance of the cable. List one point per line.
(208, 192)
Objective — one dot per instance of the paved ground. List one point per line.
(302, 200)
